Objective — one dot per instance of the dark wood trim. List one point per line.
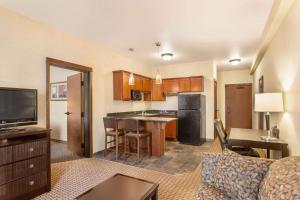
(68, 65)
(142, 76)
(237, 84)
(183, 77)
(80, 68)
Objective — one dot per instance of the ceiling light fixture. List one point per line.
(131, 79)
(235, 61)
(167, 56)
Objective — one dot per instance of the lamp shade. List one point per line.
(269, 102)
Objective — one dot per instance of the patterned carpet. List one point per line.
(72, 178)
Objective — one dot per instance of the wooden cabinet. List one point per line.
(171, 128)
(197, 84)
(184, 85)
(25, 170)
(171, 86)
(146, 85)
(157, 92)
(138, 83)
(121, 85)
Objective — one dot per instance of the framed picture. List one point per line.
(58, 91)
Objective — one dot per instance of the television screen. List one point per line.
(17, 105)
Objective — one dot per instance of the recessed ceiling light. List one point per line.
(235, 61)
(167, 56)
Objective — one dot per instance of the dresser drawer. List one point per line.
(6, 173)
(6, 154)
(23, 186)
(29, 150)
(29, 167)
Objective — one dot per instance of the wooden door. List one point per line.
(171, 85)
(238, 102)
(157, 92)
(184, 85)
(74, 113)
(197, 84)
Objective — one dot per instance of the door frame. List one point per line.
(237, 84)
(88, 95)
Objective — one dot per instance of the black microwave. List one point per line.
(136, 95)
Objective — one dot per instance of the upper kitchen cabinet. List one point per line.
(146, 85)
(171, 86)
(184, 85)
(138, 83)
(157, 93)
(197, 84)
(121, 85)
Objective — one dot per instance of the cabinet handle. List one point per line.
(31, 183)
(31, 166)
(31, 149)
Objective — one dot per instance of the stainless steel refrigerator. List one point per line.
(191, 119)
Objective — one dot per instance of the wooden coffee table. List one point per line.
(122, 187)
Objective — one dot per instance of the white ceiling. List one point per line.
(194, 30)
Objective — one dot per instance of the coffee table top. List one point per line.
(121, 187)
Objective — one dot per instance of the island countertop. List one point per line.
(154, 119)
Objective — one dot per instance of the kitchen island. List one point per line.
(153, 124)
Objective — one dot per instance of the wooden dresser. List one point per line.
(24, 163)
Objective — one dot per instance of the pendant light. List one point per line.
(158, 79)
(131, 79)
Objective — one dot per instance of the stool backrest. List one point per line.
(110, 122)
(131, 125)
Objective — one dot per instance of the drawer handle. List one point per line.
(31, 166)
(31, 149)
(31, 183)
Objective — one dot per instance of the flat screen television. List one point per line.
(18, 107)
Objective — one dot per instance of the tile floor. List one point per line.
(178, 158)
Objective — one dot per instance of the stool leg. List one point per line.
(117, 147)
(125, 141)
(148, 145)
(105, 150)
(138, 149)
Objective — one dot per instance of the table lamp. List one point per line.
(267, 103)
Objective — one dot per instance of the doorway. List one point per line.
(238, 106)
(68, 87)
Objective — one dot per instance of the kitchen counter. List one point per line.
(153, 119)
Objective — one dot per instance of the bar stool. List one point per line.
(112, 129)
(133, 129)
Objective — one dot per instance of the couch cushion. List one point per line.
(208, 192)
(282, 180)
(236, 176)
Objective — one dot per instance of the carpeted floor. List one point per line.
(72, 178)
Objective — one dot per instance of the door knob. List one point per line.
(68, 113)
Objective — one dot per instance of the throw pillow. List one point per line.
(239, 177)
(282, 180)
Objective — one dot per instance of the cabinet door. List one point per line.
(146, 85)
(171, 130)
(171, 85)
(138, 83)
(184, 85)
(126, 87)
(197, 84)
(157, 92)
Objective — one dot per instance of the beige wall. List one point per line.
(229, 77)
(281, 70)
(25, 44)
(58, 120)
(205, 69)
